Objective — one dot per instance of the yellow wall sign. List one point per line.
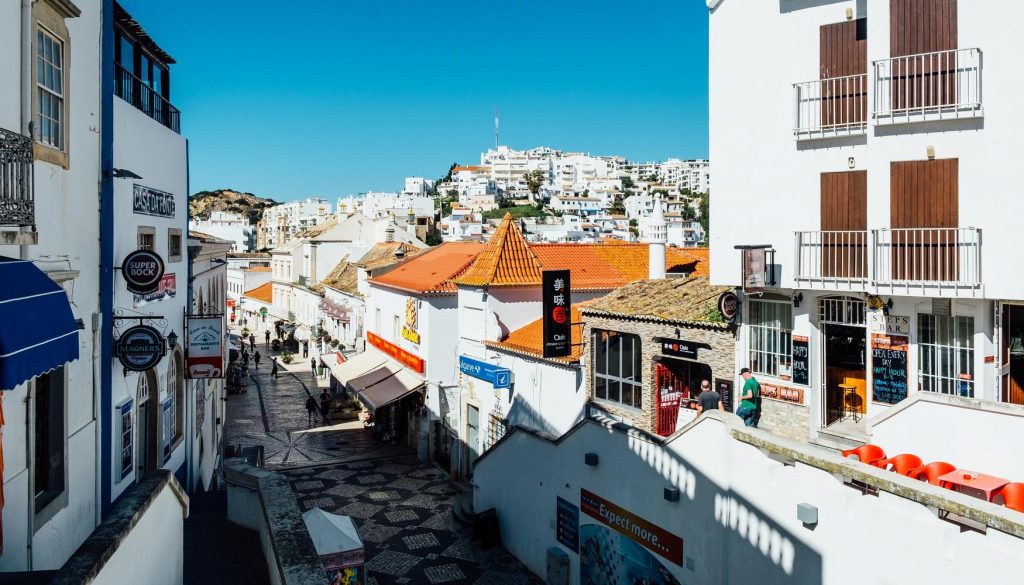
(412, 321)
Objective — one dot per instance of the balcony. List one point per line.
(907, 260)
(827, 108)
(132, 90)
(17, 197)
(944, 85)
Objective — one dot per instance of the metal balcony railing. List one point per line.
(132, 90)
(832, 256)
(927, 257)
(17, 196)
(831, 107)
(929, 86)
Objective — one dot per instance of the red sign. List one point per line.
(646, 534)
(783, 393)
(413, 362)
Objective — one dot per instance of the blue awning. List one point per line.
(38, 331)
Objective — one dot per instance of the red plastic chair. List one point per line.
(870, 454)
(1013, 496)
(902, 464)
(931, 472)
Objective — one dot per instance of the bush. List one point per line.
(275, 344)
(287, 357)
(334, 343)
(245, 331)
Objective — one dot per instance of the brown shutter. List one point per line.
(844, 213)
(843, 52)
(921, 26)
(924, 194)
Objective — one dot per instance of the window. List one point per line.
(127, 446)
(496, 429)
(771, 324)
(173, 244)
(946, 354)
(50, 89)
(376, 321)
(174, 406)
(396, 328)
(617, 368)
(147, 238)
(49, 454)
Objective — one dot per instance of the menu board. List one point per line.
(800, 359)
(889, 368)
(724, 389)
(568, 525)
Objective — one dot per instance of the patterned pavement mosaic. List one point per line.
(403, 509)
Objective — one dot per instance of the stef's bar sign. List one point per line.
(644, 533)
(149, 201)
(557, 315)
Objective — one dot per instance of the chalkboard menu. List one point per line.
(889, 368)
(800, 358)
(724, 389)
(568, 525)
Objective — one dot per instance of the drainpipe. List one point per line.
(26, 88)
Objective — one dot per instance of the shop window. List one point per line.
(49, 434)
(946, 354)
(770, 330)
(617, 368)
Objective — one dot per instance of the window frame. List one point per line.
(776, 340)
(145, 230)
(947, 357)
(603, 381)
(43, 64)
(54, 500)
(173, 235)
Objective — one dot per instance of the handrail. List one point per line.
(834, 106)
(135, 91)
(928, 86)
(17, 192)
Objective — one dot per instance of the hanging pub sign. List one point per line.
(678, 347)
(149, 201)
(728, 306)
(753, 270)
(140, 348)
(142, 270)
(205, 347)
(557, 315)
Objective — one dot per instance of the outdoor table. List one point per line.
(848, 408)
(978, 482)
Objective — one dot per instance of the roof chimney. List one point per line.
(657, 237)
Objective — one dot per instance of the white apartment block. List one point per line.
(378, 204)
(577, 204)
(508, 167)
(417, 186)
(281, 222)
(227, 226)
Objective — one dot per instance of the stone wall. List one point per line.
(784, 419)
(720, 356)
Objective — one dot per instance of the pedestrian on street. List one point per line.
(708, 399)
(312, 364)
(273, 367)
(266, 337)
(245, 358)
(305, 349)
(748, 403)
(311, 410)
(256, 359)
(325, 404)
(252, 342)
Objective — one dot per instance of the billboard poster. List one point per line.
(205, 347)
(557, 314)
(166, 288)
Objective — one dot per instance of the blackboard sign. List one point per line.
(568, 525)
(889, 368)
(800, 358)
(724, 389)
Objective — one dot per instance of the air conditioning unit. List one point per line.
(558, 566)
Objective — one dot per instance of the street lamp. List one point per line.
(172, 340)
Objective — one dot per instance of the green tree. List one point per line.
(705, 215)
(534, 180)
(618, 204)
(627, 182)
(434, 239)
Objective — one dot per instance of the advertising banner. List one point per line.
(633, 527)
(166, 288)
(557, 314)
(205, 347)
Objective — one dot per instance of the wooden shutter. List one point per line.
(924, 194)
(843, 52)
(844, 216)
(917, 27)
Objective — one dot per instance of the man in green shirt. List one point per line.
(748, 398)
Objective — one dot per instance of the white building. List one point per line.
(281, 222)
(227, 226)
(376, 204)
(242, 279)
(893, 246)
(577, 204)
(417, 186)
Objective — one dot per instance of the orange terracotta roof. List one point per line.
(263, 293)
(432, 271)
(529, 339)
(507, 259)
(258, 269)
(695, 261)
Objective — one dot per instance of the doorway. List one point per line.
(146, 394)
(843, 325)
(1012, 353)
(472, 437)
(678, 384)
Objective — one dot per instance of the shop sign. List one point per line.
(890, 324)
(568, 525)
(497, 376)
(724, 389)
(889, 368)
(140, 348)
(167, 288)
(149, 201)
(753, 270)
(411, 361)
(142, 270)
(801, 359)
(557, 314)
(678, 347)
(205, 348)
(263, 311)
(412, 319)
(783, 393)
(644, 533)
(728, 306)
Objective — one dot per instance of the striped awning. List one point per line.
(38, 331)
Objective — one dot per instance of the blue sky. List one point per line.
(331, 97)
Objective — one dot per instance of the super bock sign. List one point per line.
(140, 348)
(142, 270)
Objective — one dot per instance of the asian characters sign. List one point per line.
(205, 347)
(557, 319)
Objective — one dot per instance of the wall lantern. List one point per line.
(172, 340)
(797, 298)
(807, 514)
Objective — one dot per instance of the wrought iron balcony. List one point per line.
(17, 197)
(930, 86)
(837, 258)
(132, 90)
(831, 107)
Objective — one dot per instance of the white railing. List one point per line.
(930, 86)
(831, 107)
(927, 257)
(832, 257)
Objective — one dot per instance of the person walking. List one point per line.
(273, 367)
(311, 411)
(708, 399)
(256, 359)
(245, 357)
(312, 364)
(266, 337)
(748, 398)
(325, 404)
(252, 342)
(305, 349)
